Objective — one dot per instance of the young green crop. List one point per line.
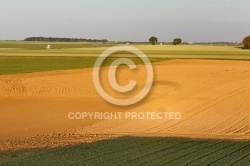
(136, 151)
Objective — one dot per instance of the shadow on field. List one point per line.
(241, 47)
(136, 151)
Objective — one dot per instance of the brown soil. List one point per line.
(212, 96)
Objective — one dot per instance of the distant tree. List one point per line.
(153, 40)
(246, 42)
(104, 41)
(177, 41)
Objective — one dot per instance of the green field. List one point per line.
(17, 65)
(14, 65)
(95, 49)
(27, 57)
(137, 151)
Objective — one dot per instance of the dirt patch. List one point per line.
(212, 96)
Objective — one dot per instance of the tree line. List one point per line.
(153, 40)
(57, 39)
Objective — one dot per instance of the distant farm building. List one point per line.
(48, 46)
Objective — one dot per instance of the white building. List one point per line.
(48, 46)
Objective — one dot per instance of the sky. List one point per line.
(126, 20)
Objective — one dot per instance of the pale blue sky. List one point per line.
(126, 20)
